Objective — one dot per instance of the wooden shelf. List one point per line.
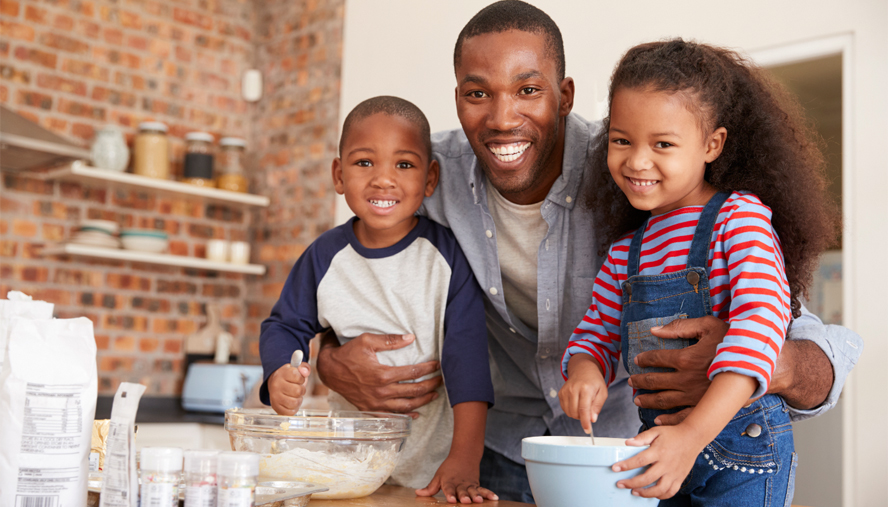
(152, 258)
(80, 172)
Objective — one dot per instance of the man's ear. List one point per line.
(567, 96)
(432, 178)
(715, 144)
(338, 184)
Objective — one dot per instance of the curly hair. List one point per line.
(771, 149)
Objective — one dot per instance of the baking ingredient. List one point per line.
(97, 444)
(200, 478)
(151, 157)
(48, 389)
(120, 483)
(355, 473)
(18, 304)
(238, 474)
(231, 165)
(160, 476)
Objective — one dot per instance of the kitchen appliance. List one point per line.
(211, 387)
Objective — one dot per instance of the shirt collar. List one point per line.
(577, 140)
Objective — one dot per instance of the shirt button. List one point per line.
(512, 329)
(489, 234)
(547, 244)
(568, 199)
(547, 305)
(553, 393)
(493, 291)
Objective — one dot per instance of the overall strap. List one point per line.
(698, 255)
(635, 250)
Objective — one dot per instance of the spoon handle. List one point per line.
(296, 359)
(592, 434)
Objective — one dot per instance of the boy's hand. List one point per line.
(459, 483)
(671, 456)
(585, 391)
(286, 387)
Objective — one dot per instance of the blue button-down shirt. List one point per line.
(526, 363)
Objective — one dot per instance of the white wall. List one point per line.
(405, 48)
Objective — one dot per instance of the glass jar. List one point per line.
(198, 168)
(238, 473)
(200, 478)
(161, 467)
(231, 165)
(151, 156)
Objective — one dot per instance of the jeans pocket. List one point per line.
(745, 445)
(641, 340)
(790, 485)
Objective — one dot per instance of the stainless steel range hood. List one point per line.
(25, 145)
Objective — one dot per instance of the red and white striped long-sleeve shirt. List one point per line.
(748, 287)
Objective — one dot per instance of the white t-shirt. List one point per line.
(520, 229)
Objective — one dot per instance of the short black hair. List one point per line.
(507, 15)
(391, 106)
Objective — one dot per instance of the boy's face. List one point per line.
(384, 173)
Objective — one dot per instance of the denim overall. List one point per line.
(752, 461)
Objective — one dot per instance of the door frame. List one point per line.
(843, 45)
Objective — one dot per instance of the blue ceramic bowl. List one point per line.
(571, 472)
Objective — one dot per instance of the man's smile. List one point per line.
(508, 152)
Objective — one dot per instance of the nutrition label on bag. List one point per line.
(53, 419)
(51, 432)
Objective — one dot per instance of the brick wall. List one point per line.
(73, 66)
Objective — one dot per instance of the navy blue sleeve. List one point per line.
(464, 359)
(294, 318)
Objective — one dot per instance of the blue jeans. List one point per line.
(751, 463)
(505, 477)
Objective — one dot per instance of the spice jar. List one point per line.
(231, 165)
(200, 478)
(152, 151)
(198, 168)
(160, 476)
(238, 473)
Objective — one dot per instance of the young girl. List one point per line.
(707, 181)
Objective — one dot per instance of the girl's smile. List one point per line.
(657, 151)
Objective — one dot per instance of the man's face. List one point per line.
(511, 106)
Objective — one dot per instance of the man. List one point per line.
(510, 186)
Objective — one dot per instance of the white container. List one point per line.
(238, 474)
(200, 478)
(144, 240)
(239, 252)
(109, 150)
(217, 250)
(161, 467)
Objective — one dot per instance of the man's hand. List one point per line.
(286, 388)
(353, 371)
(688, 383)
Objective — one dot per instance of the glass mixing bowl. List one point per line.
(352, 453)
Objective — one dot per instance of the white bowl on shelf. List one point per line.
(144, 240)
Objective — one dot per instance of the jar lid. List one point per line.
(238, 464)
(200, 136)
(201, 460)
(161, 458)
(233, 141)
(153, 125)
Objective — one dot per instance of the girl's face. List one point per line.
(657, 151)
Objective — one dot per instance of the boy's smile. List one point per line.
(384, 173)
(657, 152)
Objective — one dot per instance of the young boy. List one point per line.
(388, 271)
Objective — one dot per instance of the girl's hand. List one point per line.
(672, 452)
(585, 391)
(459, 483)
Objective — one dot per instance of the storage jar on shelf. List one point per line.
(231, 165)
(151, 157)
(198, 168)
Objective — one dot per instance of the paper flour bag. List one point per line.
(47, 404)
(18, 304)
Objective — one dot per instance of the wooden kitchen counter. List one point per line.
(393, 496)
